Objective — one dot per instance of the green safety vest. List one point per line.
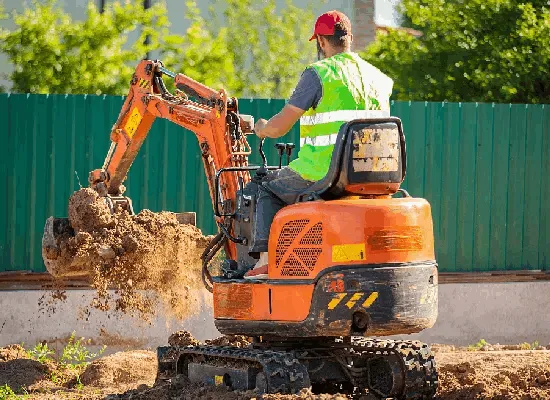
(352, 89)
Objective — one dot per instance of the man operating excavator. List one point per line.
(351, 260)
(338, 88)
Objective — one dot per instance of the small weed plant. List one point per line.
(6, 393)
(74, 357)
(478, 345)
(529, 346)
(41, 353)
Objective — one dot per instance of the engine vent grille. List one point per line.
(286, 237)
(298, 251)
(313, 237)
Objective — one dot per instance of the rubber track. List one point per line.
(284, 373)
(420, 374)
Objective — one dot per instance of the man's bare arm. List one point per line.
(280, 124)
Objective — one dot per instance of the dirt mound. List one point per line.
(230, 340)
(22, 373)
(182, 338)
(305, 394)
(142, 257)
(12, 352)
(502, 375)
(131, 367)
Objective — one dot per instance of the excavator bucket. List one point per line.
(63, 264)
(54, 230)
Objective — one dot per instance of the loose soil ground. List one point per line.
(464, 375)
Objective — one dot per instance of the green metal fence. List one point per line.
(483, 167)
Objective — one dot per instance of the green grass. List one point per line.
(6, 393)
(522, 346)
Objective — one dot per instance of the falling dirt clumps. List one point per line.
(88, 212)
(143, 257)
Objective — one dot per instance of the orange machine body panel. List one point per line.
(308, 238)
(262, 301)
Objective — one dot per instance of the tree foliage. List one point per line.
(475, 50)
(252, 48)
(270, 47)
(201, 53)
(51, 53)
(249, 48)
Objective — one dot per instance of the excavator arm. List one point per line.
(209, 114)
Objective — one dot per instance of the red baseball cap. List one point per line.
(326, 22)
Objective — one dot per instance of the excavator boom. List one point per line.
(211, 115)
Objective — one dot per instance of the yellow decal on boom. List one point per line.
(348, 252)
(133, 122)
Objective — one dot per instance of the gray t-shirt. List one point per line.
(308, 91)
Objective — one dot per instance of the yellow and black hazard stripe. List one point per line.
(352, 300)
(143, 83)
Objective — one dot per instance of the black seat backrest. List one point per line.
(369, 158)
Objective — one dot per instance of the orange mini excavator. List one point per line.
(347, 261)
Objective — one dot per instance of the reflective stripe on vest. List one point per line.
(325, 140)
(341, 115)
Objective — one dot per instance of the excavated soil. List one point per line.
(143, 257)
(123, 368)
(182, 338)
(506, 375)
(12, 352)
(230, 340)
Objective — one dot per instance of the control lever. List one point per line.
(289, 147)
(281, 149)
(262, 171)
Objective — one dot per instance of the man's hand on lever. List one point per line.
(259, 128)
(280, 124)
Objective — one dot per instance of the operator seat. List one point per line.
(369, 158)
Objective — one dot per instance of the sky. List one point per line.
(385, 12)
